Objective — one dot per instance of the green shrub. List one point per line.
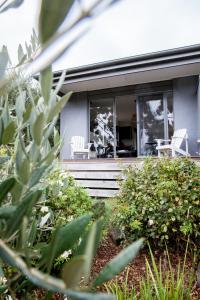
(66, 198)
(161, 201)
(63, 201)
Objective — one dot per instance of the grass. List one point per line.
(121, 291)
(161, 282)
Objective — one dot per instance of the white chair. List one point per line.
(175, 146)
(78, 147)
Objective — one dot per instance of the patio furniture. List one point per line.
(78, 147)
(175, 146)
(150, 148)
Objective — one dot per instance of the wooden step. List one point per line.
(102, 193)
(108, 175)
(100, 178)
(102, 184)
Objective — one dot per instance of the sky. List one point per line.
(129, 28)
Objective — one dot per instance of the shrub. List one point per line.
(62, 202)
(65, 198)
(161, 201)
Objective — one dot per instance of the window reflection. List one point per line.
(170, 115)
(152, 120)
(101, 127)
(151, 123)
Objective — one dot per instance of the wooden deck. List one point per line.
(100, 177)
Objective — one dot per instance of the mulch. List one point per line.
(137, 269)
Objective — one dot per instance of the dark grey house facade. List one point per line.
(121, 107)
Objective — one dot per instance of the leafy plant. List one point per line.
(162, 281)
(123, 291)
(27, 127)
(66, 198)
(161, 284)
(161, 201)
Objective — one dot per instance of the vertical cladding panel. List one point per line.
(185, 108)
(74, 121)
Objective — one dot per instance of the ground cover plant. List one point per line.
(161, 201)
(28, 132)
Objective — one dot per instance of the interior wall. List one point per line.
(185, 108)
(74, 121)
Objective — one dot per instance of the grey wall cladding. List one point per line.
(74, 121)
(185, 108)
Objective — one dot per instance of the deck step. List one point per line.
(100, 179)
(102, 193)
(101, 175)
(101, 184)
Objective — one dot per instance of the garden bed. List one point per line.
(137, 269)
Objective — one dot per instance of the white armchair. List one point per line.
(175, 146)
(78, 147)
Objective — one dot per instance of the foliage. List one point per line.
(62, 202)
(66, 198)
(26, 127)
(160, 282)
(21, 195)
(123, 291)
(161, 201)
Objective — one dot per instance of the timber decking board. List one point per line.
(97, 167)
(97, 175)
(102, 193)
(102, 184)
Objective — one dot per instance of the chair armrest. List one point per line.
(159, 141)
(163, 140)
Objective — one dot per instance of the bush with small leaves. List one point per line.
(161, 201)
(66, 198)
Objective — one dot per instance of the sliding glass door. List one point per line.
(102, 127)
(128, 125)
(155, 121)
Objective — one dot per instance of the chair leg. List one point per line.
(186, 147)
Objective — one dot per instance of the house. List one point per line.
(122, 106)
